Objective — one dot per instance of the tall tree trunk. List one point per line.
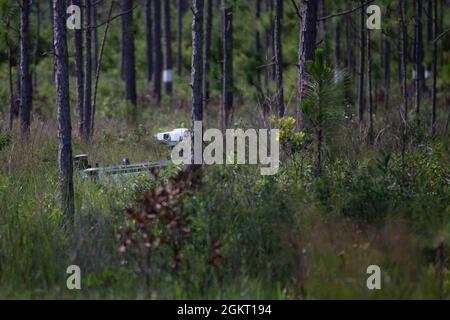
(128, 52)
(63, 106)
(87, 73)
(307, 47)
(11, 89)
(36, 48)
(197, 60)
(318, 168)
(97, 71)
(227, 71)
(50, 2)
(362, 58)
(149, 38)
(78, 38)
(399, 64)
(18, 80)
(434, 68)
(278, 58)
(387, 70)
(25, 77)
(157, 54)
(447, 121)
(348, 65)
(321, 24)
(179, 35)
(441, 29)
(258, 43)
(167, 77)
(369, 89)
(418, 57)
(122, 60)
(404, 112)
(337, 44)
(197, 69)
(429, 21)
(95, 34)
(206, 50)
(441, 50)
(267, 55)
(272, 40)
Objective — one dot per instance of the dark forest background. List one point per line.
(364, 175)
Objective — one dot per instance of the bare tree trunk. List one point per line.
(258, 43)
(337, 44)
(272, 39)
(149, 38)
(448, 121)
(278, 58)
(63, 106)
(25, 77)
(429, 21)
(11, 89)
(197, 60)
(78, 38)
(267, 55)
(441, 29)
(179, 35)
(122, 60)
(399, 52)
(369, 89)
(18, 80)
(318, 172)
(434, 67)
(36, 48)
(348, 65)
(387, 71)
(95, 34)
(441, 16)
(157, 54)
(227, 72)
(167, 77)
(128, 52)
(404, 112)
(206, 51)
(307, 47)
(362, 58)
(321, 24)
(418, 58)
(50, 2)
(197, 67)
(87, 73)
(97, 71)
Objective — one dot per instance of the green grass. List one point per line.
(276, 232)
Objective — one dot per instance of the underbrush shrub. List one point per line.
(157, 225)
(5, 140)
(418, 189)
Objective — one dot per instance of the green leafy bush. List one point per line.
(5, 140)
